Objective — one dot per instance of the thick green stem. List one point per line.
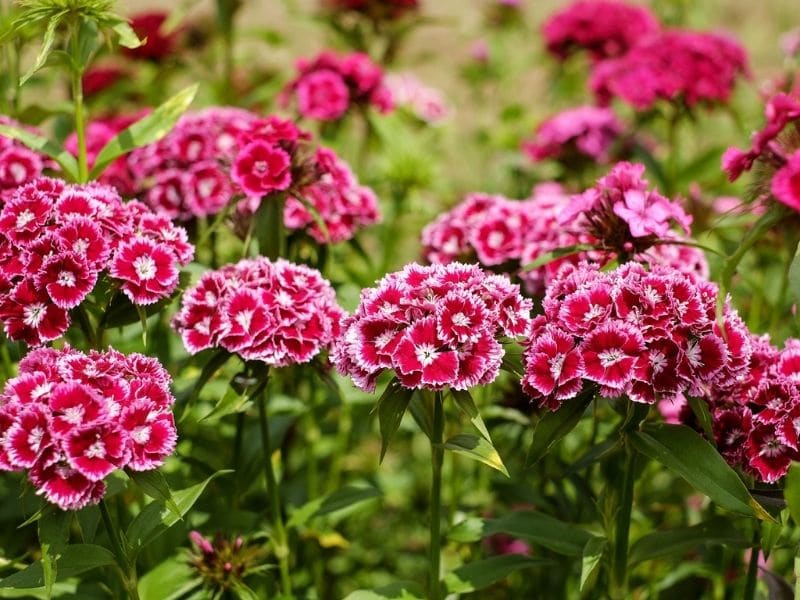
(797, 574)
(752, 568)
(127, 569)
(280, 539)
(80, 125)
(622, 528)
(437, 452)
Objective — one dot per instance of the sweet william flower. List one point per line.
(147, 270)
(261, 168)
(322, 95)
(786, 182)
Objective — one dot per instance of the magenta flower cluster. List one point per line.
(587, 131)
(57, 239)
(647, 335)
(426, 103)
(757, 422)
(343, 205)
(434, 326)
(69, 419)
(604, 28)
(775, 148)
(277, 312)
(621, 214)
(329, 85)
(687, 66)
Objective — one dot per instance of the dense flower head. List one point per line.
(756, 423)
(276, 312)
(222, 562)
(340, 202)
(328, 85)
(587, 131)
(426, 103)
(434, 326)
(648, 335)
(157, 43)
(604, 28)
(620, 212)
(70, 419)
(18, 163)
(673, 66)
(56, 240)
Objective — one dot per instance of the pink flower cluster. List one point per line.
(757, 423)
(18, 163)
(604, 28)
(621, 214)
(186, 173)
(57, 239)
(435, 327)
(341, 203)
(686, 66)
(778, 153)
(328, 85)
(503, 233)
(647, 335)
(424, 102)
(70, 419)
(587, 131)
(277, 312)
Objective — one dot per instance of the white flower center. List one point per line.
(35, 438)
(80, 246)
(495, 239)
(260, 166)
(593, 312)
(66, 279)
(771, 448)
(383, 339)
(244, 318)
(18, 172)
(426, 354)
(141, 434)
(25, 217)
(32, 315)
(658, 361)
(610, 357)
(461, 320)
(145, 267)
(73, 415)
(96, 450)
(556, 365)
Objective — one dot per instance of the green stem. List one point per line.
(437, 452)
(622, 527)
(342, 443)
(80, 123)
(752, 568)
(280, 539)
(127, 570)
(797, 574)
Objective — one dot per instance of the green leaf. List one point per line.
(401, 590)
(677, 542)
(45, 146)
(73, 561)
(155, 518)
(483, 573)
(171, 579)
(592, 556)
(465, 402)
(476, 448)
(154, 484)
(421, 408)
(215, 362)
(269, 229)
(345, 497)
(391, 408)
(554, 255)
(541, 529)
(146, 130)
(683, 451)
(700, 409)
(791, 491)
(44, 53)
(555, 425)
(126, 35)
(53, 537)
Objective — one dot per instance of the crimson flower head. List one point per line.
(673, 66)
(329, 85)
(648, 335)
(18, 163)
(277, 312)
(69, 419)
(437, 326)
(604, 28)
(620, 212)
(58, 240)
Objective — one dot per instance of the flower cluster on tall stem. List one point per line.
(69, 419)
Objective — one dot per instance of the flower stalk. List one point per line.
(437, 452)
(127, 569)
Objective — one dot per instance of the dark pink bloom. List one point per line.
(262, 168)
(157, 46)
(786, 182)
(610, 352)
(67, 279)
(147, 269)
(422, 359)
(29, 315)
(554, 367)
(604, 28)
(322, 95)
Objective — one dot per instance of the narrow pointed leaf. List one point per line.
(465, 402)
(685, 452)
(40, 144)
(677, 542)
(483, 573)
(345, 497)
(476, 448)
(44, 53)
(126, 36)
(544, 530)
(592, 556)
(391, 408)
(555, 425)
(154, 484)
(146, 130)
